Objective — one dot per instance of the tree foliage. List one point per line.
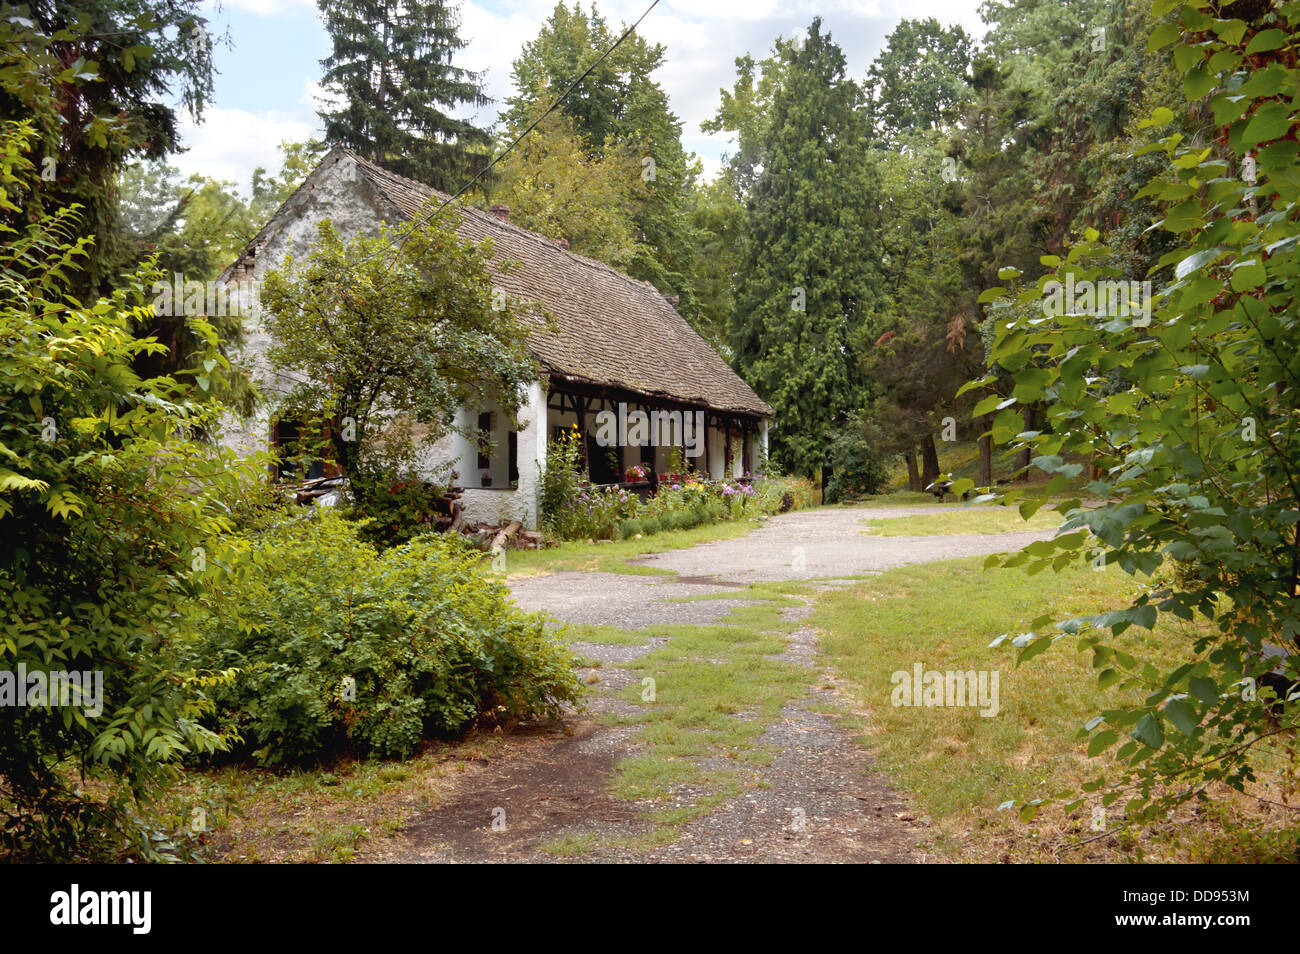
(393, 89)
(98, 79)
(918, 82)
(383, 333)
(809, 292)
(557, 184)
(107, 508)
(619, 110)
(1189, 412)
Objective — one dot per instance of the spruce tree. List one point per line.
(397, 86)
(811, 274)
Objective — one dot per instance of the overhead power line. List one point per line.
(534, 124)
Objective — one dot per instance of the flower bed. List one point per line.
(681, 501)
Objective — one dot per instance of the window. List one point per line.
(602, 462)
(293, 460)
(485, 440)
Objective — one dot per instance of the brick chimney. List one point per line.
(502, 212)
(563, 243)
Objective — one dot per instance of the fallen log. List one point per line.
(505, 534)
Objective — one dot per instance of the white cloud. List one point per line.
(701, 40)
(270, 8)
(231, 143)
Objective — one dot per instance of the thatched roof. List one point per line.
(609, 330)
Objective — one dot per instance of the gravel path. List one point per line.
(804, 545)
(818, 800)
(829, 542)
(622, 600)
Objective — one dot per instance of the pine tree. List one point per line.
(397, 87)
(811, 277)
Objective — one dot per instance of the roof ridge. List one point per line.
(497, 222)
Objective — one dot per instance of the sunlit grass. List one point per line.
(612, 556)
(957, 765)
(981, 519)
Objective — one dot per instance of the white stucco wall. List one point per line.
(335, 191)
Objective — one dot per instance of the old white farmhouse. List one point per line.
(615, 341)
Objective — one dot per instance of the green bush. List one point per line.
(107, 507)
(573, 511)
(1185, 405)
(340, 647)
(561, 480)
(779, 494)
(617, 515)
(858, 467)
(593, 514)
(393, 507)
(695, 515)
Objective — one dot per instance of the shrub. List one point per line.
(573, 511)
(339, 646)
(392, 506)
(698, 514)
(106, 510)
(772, 493)
(858, 468)
(1186, 407)
(562, 478)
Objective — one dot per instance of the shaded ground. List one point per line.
(814, 801)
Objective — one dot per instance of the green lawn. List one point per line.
(612, 556)
(981, 519)
(959, 766)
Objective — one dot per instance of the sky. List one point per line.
(268, 53)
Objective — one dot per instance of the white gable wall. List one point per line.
(338, 192)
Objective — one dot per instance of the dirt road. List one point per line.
(816, 799)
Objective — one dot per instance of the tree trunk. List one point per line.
(504, 535)
(1027, 416)
(913, 478)
(929, 462)
(986, 451)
